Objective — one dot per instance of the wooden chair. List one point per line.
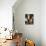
(29, 43)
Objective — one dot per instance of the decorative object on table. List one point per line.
(5, 29)
(2, 35)
(29, 43)
(9, 34)
(18, 39)
(2, 32)
(29, 18)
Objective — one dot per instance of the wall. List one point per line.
(43, 22)
(32, 32)
(6, 13)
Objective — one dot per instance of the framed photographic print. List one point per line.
(29, 18)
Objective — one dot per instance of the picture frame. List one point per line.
(29, 19)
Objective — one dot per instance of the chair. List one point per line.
(29, 43)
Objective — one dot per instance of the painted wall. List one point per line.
(32, 32)
(43, 22)
(6, 13)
